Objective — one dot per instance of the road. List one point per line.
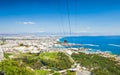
(83, 73)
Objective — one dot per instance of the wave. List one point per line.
(91, 45)
(114, 45)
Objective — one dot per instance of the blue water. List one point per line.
(102, 43)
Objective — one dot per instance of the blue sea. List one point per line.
(95, 43)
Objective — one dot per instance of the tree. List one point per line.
(11, 67)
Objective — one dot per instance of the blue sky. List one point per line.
(87, 16)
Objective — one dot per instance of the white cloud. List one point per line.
(27, 23)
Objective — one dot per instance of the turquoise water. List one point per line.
(102, 43)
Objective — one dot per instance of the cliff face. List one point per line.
(1, 54)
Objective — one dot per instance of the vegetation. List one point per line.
(6, 55)
(52, 60)
(42, 72)
(23, 64)
(21, 44)
(97, 64)
(71, 73)
(11, 67)
(56, 74)
(2, 41)
(31, 60)
(56, 60)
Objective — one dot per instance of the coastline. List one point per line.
(107, 53)
(90, 50)
(93, 47)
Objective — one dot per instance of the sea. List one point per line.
(109, 44)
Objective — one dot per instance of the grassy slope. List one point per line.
(57, 60)
(99, 64)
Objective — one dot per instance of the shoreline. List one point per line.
(92, 47)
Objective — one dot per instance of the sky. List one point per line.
(85, 16)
